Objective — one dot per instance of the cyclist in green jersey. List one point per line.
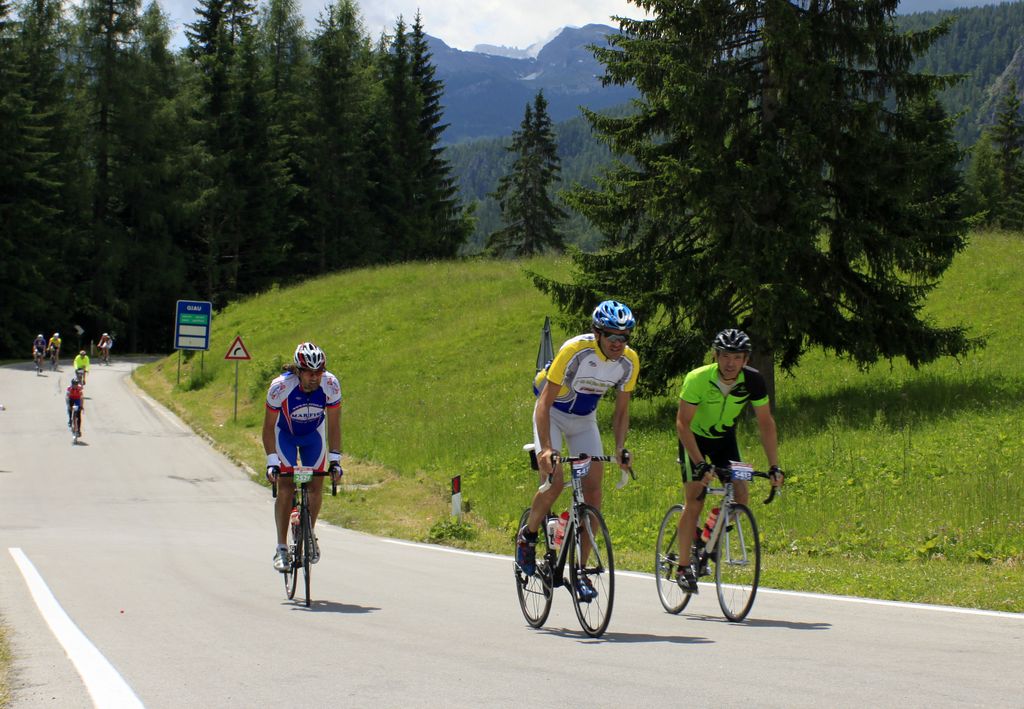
(711, 399)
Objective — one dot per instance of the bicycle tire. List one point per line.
(76, 425)
(535, 591)
(291, 577)
(599, 570)
(738, 563)
(307, 551)
(666, 562)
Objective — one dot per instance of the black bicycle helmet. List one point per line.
(732, 340)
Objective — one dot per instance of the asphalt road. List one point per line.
(135, 570)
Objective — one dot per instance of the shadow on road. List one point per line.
(625, 637)
(331, 607)
(763, 623)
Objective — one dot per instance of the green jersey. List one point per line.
(717, 409)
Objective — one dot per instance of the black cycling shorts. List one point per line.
(717, 451)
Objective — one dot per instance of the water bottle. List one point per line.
(560, 528)
(295, 517)
(708, 524)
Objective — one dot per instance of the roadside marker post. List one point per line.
(457, 497)
(237, 352)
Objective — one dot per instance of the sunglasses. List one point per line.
(615, 337)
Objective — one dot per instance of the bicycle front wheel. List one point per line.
(738, 563)
(307, 551)
(598, 571)
(534, 591)
(291, 577)
(666, 562)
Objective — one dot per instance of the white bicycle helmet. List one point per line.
(309, 356)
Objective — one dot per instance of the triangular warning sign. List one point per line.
(237, 350)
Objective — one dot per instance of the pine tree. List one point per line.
(342, 231)
(1007, 136)
(984, 184)
(442, 225)
(792, 177)
(530, 215)
(392, 140)
(26, 206)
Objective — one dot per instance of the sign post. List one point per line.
(192, 329)
(545, 352)
(237, 352)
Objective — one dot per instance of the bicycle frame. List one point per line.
(302, 475)
(572, 525)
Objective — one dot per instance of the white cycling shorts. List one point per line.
(580, 433)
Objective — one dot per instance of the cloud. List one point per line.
(466, 23)
(460, 23)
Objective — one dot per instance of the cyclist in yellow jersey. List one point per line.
(569, 389)
(53, 345)
(711, 399)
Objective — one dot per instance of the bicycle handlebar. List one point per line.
(627, 473)
(334, 485)
(725, 475)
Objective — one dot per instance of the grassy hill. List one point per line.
(903, 484)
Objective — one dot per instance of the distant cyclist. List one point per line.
(53, 347)
(569, 389)
(74, 394)
(81, 365)
(104, 345)
(302, 423)
(38, 351)
(711, 399)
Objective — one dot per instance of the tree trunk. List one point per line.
(764, 362)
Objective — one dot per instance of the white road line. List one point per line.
(762, 589)
(106, 687)
(159, 408)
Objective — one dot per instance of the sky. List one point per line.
(459, 23)
(465, 23)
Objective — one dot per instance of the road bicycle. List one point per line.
(585, 549)
(76, 422)
(53, 359)
(37, 357)
(734, 547)
(301, 548)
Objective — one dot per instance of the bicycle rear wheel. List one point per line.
(76, 425)
(291, 577)
(599, 570)
(534, 591)
(738, 563)
(307, 550)
(666, 562)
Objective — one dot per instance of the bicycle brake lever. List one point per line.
(627, 473)
(547, 484)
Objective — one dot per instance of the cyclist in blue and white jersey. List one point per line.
(302, 423)
(38, 350)
(569, 389)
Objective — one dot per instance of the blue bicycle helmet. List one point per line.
(613, 315)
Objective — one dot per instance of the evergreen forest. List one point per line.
(260, 154)
(264, 152)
